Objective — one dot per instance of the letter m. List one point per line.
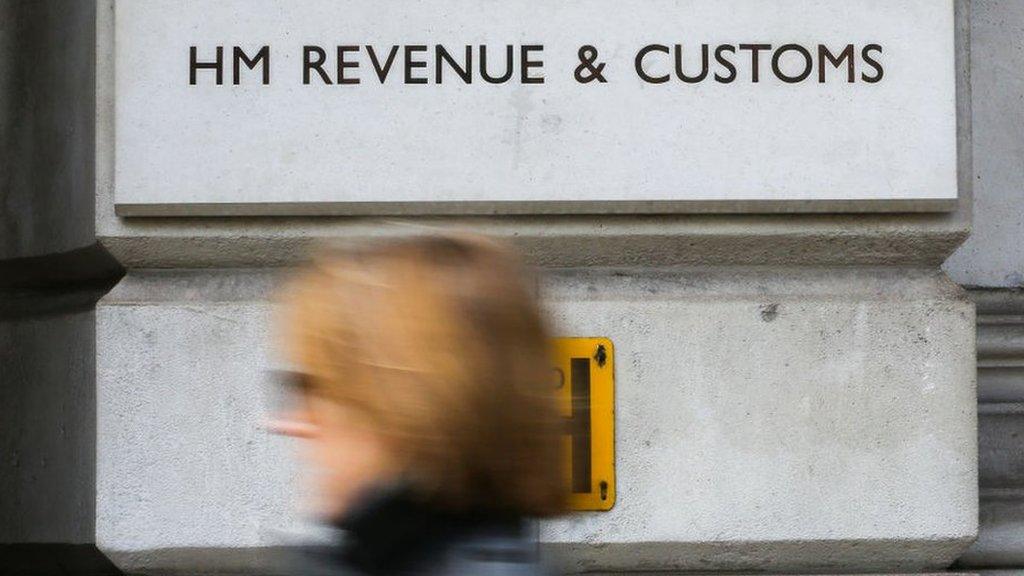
(262, 59)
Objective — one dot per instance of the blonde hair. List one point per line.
(437, 342)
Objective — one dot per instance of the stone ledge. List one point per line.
(56, 283)
(55, 560)
(265, 560)
(999, 543)
(874, 284)
(919, 240)
(804, 557)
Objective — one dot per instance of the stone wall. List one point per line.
(793, 391)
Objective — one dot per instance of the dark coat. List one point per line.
(390, 534)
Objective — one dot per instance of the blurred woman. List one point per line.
(427, 406)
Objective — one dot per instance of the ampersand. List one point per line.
(587, 71)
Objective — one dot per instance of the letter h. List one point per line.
(194, 65)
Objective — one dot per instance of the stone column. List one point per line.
(991, 265)
(51, 274)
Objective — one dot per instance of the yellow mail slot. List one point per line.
(585, 377)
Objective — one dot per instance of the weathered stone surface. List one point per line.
(48, 432)
(1000, 430)
(781, 421)
(773, 420)
(993, 256)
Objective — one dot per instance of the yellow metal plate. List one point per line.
(585, 377)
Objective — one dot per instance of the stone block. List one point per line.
(767, 419)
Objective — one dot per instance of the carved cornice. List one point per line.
(1000, 345)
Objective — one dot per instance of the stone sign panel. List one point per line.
(244, 107)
